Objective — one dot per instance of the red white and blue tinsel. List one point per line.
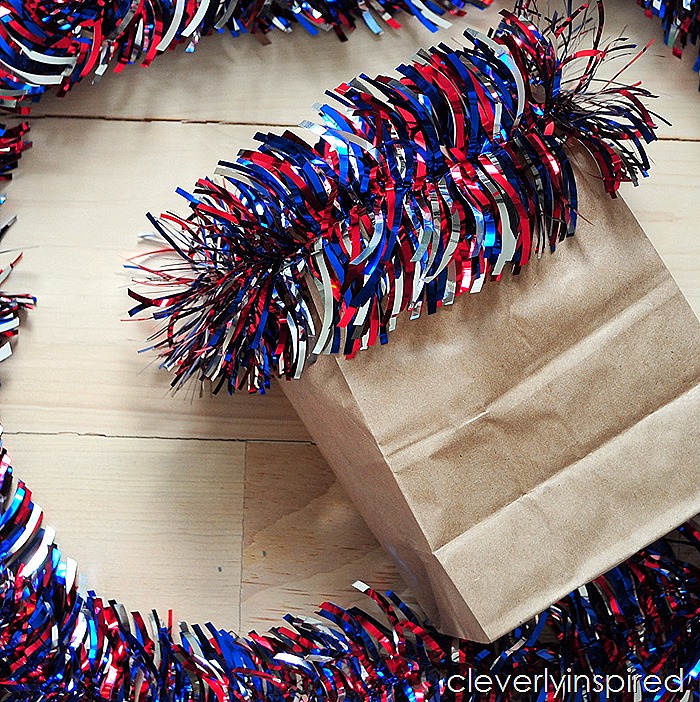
(12, 146)
(680, 20)
(641, 618)
(52, 45)
(12, 305)
(419, 188)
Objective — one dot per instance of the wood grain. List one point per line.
(666, 205)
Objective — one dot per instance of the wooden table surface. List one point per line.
(220, 508)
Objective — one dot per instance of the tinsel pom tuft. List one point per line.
(11, 306)
(640, 619)
(420, 188)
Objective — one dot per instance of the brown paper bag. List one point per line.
(528, 438)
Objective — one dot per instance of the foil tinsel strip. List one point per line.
(420, 188)
(641, 618)
(11, 306)
(12, 146)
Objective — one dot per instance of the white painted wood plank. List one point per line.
(152, 523)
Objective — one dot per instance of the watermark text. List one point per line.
(566, 684)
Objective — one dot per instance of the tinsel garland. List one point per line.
(680, 20)
(53, 44)
(641, 618)
(420, 188)
(49, 46)
(12, 145)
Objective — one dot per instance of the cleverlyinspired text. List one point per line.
(566, 684)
